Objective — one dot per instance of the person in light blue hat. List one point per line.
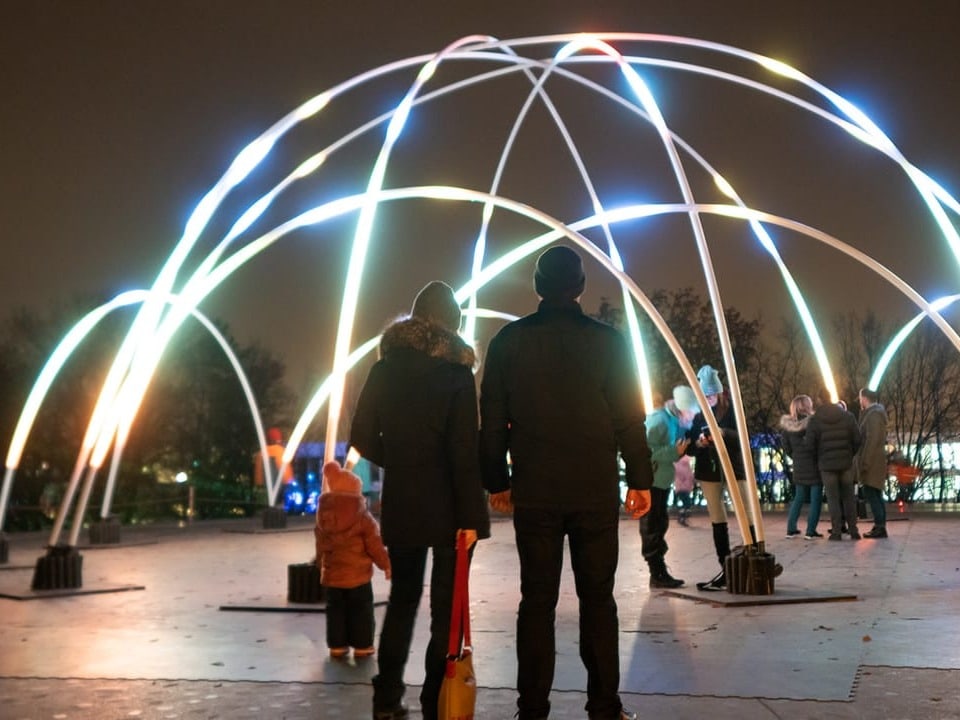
(708, 471)
(667, 437)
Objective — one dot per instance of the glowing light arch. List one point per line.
(116, 407)
(896, 342)
(48, 374)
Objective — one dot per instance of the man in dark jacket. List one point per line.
(416, 418)
(559, 395)
(834, 437)
(871, 461)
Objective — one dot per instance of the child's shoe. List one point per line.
(364, 652)
(339, 652)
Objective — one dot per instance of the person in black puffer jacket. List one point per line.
(833, 437)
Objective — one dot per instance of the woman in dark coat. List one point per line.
(807, 486)
(417, 418)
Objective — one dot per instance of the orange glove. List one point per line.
(502, 502)
(637, 503)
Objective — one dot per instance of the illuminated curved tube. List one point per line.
(743, 436)
(897, 341)
(132, 354)
(630, 313)
(932, 193)
(349, 204)
(51, 369)
(273, 483)
(361, 242)
(42, 385)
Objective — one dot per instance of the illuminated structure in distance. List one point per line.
(611, 69)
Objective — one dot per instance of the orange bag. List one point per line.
(458, 693)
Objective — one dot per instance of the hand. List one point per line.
(353, 457)
(637, 503)
(387, 573)
(502, 502)
(469, 535)
(681, 446)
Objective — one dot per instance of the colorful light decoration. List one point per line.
(163, 309)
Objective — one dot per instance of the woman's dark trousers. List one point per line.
(406, 586)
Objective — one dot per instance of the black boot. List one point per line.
(721, 543)
(660, 576)
(717, 582)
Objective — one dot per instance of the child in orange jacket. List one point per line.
(348, 545)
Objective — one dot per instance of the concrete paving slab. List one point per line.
(892, 653)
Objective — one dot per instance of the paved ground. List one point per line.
(171, 650)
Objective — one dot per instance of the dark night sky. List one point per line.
(118, 115)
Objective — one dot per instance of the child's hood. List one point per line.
(339, 511)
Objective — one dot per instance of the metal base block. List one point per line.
(785, 595)
(60, 568)
(303, 583)
(274, 518)
(750, 571)
(105, 532)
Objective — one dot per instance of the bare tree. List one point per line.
(922, 391)
(860, 340)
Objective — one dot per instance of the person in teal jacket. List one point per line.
(666, 435)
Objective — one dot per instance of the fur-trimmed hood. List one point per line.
(428, 338)
(792, 424)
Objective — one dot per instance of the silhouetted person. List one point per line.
(833, 437)
(416, 418)
(667, 436)
(871, 460)
(559, 394)
(807, 485)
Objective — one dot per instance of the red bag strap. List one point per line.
(460, 612)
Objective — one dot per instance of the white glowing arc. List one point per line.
(62, 353)
(886, 357)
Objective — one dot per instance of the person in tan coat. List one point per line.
(348, 545)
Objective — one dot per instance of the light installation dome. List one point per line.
(589, 139)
